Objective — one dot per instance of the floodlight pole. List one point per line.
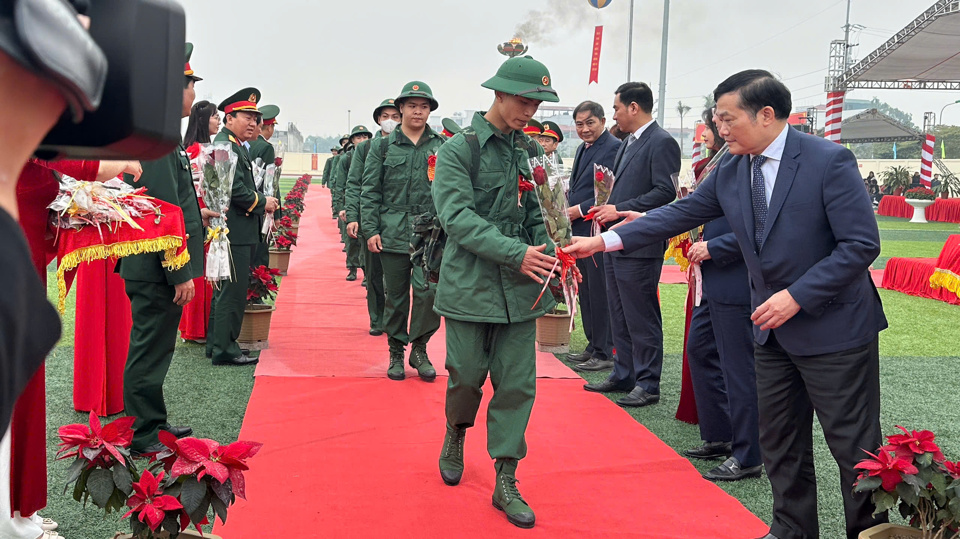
(940, 118)
(663, 62)
(630, 43)
(846, 39)
(348, 121)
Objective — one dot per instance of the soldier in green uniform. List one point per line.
(245, 219)
(359, 134)
(550, 138)
(344, 140)
(450, 127)
(260, 148)
(395, 190)
(327, 165)
(158, 293)
(496, 257)
(387, 116)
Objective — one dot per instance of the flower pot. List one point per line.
(280, 260)
(295, 227)
(256, 327)
(890, 531)
(553, 333)
(189, 532)
(919, 209)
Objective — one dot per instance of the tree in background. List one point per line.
(682, 110)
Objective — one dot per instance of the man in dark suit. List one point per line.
(808, 240)
(599, 147)
(646, 160)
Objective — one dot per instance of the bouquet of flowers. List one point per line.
(218, 164)
(548, 180)
(603, 180)
(109, 203)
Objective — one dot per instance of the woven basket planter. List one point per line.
(256, 327)
(280, 260)
(553, 333)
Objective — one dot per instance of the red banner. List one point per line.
(314, 162)
(595, 62)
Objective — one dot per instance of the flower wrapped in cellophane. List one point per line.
(270, 181)
(549, 180)
(218, 164)
(603, 180)
(107, 203)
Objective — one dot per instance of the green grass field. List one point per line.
(919, 359)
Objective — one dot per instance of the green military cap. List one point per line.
(450, 127)
(344, 140)
(533, 128)
(525, 77)
(187, 70)
(336, 149)
(418, 89)
(552, 129)
(360, 130)
(387, 103)
(270, 113)
(243, 101)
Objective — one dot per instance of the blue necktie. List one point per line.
(759, 192)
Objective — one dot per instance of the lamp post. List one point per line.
(663, 59)
(349, 125)
(630, 44)
(944, 108)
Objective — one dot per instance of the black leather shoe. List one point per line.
(579, 358)
(769, 536)
(149, 450)
(605, 386)
(238, 361)
(710, 451)
(594, 365)
(352, 276)
(179, 432)
(731, 470)
(376, 332)
(638, 397)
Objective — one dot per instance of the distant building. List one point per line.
(291, 139)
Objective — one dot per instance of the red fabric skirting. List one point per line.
(943, 210)
(196, 314)
(687, 408)
(912, 276)
(103, 322)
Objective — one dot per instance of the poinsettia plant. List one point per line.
(910, 473)
(920, 193)
(102, 470)
(284, 239)
(264, 284)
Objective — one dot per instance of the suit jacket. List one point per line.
(725, 277)
(247, 207)
(581, 192)
(643, 171)
(820, 238)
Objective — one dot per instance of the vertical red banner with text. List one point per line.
(595, 62)
(314, 162)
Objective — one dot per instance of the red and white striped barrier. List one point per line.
(834, 116)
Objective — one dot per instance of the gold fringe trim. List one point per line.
(942, 278)
(675, 252)
(168, 244)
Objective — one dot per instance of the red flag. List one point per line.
(595, 62)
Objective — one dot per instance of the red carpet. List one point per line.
(349, 453)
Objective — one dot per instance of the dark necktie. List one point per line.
(759, 192)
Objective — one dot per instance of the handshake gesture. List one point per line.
(583, 247)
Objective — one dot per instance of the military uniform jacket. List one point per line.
(170, 180)
(332, 182)
(326, 170)
(396, 188)
(354, 180)
(264, 150)
(245, 216)
(340, 185)
(487, 231)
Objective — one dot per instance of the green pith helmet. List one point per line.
(270, 113)
(418, 89)
(344, 140)
(387, 103)
(552, 130)
(360, 130)
(450, 126)
(337, 149)
(525, 77)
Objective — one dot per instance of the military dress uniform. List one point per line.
(396, 189)
(151, 289)
(486, 300)
(262, 149)
(552, 130)
(244, 220)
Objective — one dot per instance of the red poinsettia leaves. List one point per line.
(888, 468)
(90, 441)
(148, 502)
(539, 175)
(953, 468)
(912, 443)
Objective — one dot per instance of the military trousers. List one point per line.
(399, 276)
(153, 338)
(261, 256)
(227, 306)
(373, 273)
(507, 352)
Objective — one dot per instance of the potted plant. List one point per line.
(256, 315)
(283, 241)
(897, 178)
(947, 184)
(553, 328)
(920, 198)
(179, 487)
(911, 474)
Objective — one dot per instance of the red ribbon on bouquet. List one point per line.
(566, 262)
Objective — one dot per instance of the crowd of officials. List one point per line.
(786, 324)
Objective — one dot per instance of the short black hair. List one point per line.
(636, 92)
(594, 108)
(757, 89)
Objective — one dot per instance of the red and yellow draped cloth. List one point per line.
(165, 234)
(947, 274)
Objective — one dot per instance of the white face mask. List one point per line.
(387, 126)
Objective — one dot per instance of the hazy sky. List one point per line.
(318, 58)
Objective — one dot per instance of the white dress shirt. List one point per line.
(770, 168)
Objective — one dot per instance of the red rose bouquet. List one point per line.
(603, 180)
(218, 164)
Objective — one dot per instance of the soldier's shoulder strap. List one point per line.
(474, 143)
(527, 144)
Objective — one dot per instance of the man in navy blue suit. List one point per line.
(643, 167)
(808, 234)
(598, 147)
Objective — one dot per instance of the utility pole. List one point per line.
(846, 39)
(630, 44)
(663, 61)
(349, 125)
